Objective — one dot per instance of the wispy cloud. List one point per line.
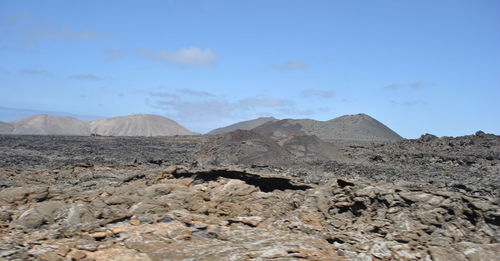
(183, 92)
(30, 71)
(412, 85)
(418, 84)
(113, 54)
(196, 110)
(31, 29)
(17, 49)
(410, 103)
(206, 110)
(190, 56)
(196, 93)
(87, 77)
(65, 33)
(312, 93)
(263, 102)
(290, 65)
(164, 95)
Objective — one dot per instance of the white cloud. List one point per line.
(190, 56)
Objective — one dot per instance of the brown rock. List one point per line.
(445, 254)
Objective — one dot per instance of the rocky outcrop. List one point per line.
(176, 213)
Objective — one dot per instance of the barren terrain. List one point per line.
(243, 196)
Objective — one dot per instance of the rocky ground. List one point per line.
(242, 196)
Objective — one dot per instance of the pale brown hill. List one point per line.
(6, 128)
(243, 125)
(138, 125)
(359, 127)
(44, 124)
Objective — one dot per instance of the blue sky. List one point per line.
(417, 66)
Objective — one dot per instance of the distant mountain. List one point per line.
(6, 128)
(44, 124)
(138, 125)
(349, 127)
(243, 125)
(13, 114)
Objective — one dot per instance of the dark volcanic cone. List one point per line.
(359, 127)
(243, 125)
(244, 147)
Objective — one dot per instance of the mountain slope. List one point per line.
(6, 128)
(138, 125)
(44, 124)
(243, 147)
(243, 125)
(348, 127)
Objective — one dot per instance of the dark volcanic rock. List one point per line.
(244, 125)
(243, 147)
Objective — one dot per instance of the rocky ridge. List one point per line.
(243, 125)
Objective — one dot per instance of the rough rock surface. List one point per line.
(243, 125)
(6, 128)
(138, 125)
(243, 147)
(309, 147)
(44, 124)
(349, 127)
(129, 198)
(177, 213)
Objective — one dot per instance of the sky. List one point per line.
(419, 67)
